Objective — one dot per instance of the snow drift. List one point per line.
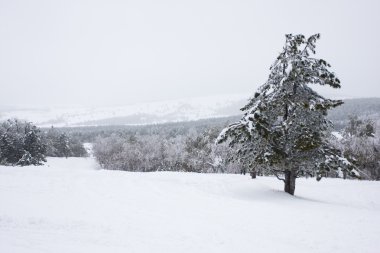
(70, 205)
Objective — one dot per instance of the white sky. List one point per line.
(121, 52)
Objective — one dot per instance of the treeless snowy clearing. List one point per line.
(70, 205)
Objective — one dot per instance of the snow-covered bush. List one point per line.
(360, 143)
(192, 151)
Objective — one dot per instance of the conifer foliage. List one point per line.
(61, 144)
(21, 144)
(284, 129)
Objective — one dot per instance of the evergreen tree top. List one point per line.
(295, 68)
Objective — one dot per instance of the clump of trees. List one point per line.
(190, 151)
(61, 144)
(21, 143)
(284, 128)
(190, 148)
(361, 145)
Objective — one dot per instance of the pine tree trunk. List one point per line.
(290, 181)
(253, 174)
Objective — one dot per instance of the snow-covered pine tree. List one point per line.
(34, 147)
(21, 144)
(284, 129)
(63, 146)
(11, 141)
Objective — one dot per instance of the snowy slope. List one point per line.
(143, 113)
(70, 205)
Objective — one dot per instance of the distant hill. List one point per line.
(368, 108)
(181, 110)
(135, 114)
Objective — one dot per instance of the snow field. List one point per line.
(70, 205)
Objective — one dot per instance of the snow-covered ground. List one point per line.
(70, 205)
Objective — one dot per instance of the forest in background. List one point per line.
(187, 146)
(190, 146)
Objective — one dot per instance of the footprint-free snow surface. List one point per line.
(70, 205)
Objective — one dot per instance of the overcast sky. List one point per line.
(122, 52)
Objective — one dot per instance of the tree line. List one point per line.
(187, 146)
(191, 151)
(22, 143)
(192, 148)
